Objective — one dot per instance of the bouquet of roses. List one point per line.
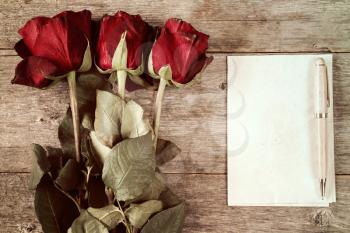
(105, 176)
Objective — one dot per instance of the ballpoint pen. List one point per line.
(322, 105)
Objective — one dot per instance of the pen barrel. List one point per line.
(321, 105)
(322, 147)
(321, 84)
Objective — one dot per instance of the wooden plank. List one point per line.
(234, 26)
(222, 10)
(194, 118)
(206, 208)
(342, 164)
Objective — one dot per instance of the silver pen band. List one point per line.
(321, 115)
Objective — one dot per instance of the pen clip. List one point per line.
(327, 87)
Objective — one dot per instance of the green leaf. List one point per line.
(130, 167)
(70, 177)
(133, 124)
(107, 117)
(167, 221)
(138, 214)
(166, 151)
(101, 150)
(86, 223)
(109, 215)
(41, 165)
(153, 190)
(55, 211)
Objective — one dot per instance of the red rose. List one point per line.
(53, 46)
(129, 32)
(182, 48)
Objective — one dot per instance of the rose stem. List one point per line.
(121, 75)
(158, 109)
(75, 114)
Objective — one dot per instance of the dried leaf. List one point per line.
(101, 150)
(57, 159)
(87, 122)
(86, 223)
(97, 220)
(96, 192)
(169, 199)
(86, 97)
(70, 177)
(120, 56)
(87, 60)
(116, 120)
(90, 157)
(130, 167)
(108, 113)
(133, 124)
(166, 151)
(167, 221)
(66, 135)
(41, 165)
(55, 211)
(109, 215)
(87, 84)
(138, 214)
(153, 190)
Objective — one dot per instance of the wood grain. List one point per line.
(194, 118)
(234, 26)
(206, 208)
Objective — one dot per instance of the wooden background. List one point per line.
(194, 118)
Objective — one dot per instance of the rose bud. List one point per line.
(122, 46)
(177, 57)
(179, 53)
(53, 47)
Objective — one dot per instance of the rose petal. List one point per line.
(32, 72)
(107, 42)
(187, 30)
(95, 28)
(162, 51)
(22, 50)
(177, 51)
(31, 30)
(81, 20)
(61, 43)
(183, 48)
(139, 33)
(178, 25)
(196, 68)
